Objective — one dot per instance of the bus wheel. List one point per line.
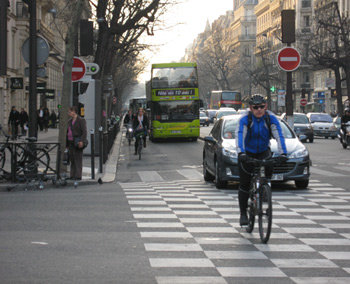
(194, 139)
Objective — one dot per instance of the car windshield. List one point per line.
(202, 114)
(223, 113)
(230, 125)
(320, 118)
(300, 118)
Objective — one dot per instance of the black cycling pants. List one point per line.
(244, 178)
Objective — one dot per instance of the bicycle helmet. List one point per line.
(257, 100)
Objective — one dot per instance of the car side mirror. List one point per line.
(209, 139)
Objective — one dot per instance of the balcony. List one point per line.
(247, 37)
(248, 19)
(45, 31)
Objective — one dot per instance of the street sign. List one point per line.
(303, 102)
(288, 59)
(78, 69)
(42, 50)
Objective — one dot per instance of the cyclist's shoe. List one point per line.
(243, 220)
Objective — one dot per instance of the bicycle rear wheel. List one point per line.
(265, 212)
(139, 148)
(251, 216)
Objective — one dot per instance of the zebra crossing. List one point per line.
(191, 234)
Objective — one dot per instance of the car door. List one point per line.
(212, 146)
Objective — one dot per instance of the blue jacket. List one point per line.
(257, 138)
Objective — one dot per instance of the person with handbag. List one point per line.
(76, 142)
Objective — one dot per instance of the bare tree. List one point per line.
(330, 46)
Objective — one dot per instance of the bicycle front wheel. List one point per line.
(265, 212)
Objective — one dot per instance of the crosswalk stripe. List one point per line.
(325, 173)
(190, 174)
(147, 176)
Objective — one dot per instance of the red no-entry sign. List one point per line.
(288, 59)
(303, 102)
(78, 69)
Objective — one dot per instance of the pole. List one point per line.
(100, 138)
(289, 99)
(92, 140)
(32, 71)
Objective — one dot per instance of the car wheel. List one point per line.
(218, 182)
(326, 137)
(311, 139)
(207, 176)
(301, 184)
(333, 137)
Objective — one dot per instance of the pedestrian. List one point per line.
(41, 118)
(76, 142)
(23, 120)
(46, 119)
(13, 122)
(53, 119)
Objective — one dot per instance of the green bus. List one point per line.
(173, 99)
(136, 103)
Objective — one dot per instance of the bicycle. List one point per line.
(27, 160)
(139, 135)
(260, 198)
(129, 132)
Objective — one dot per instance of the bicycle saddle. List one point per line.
(31, 139)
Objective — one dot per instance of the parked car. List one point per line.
(220, 158)
(322, 123)
(203, 119)
(211, 114)
(224, 111)
(302, 126)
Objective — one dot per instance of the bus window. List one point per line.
(176, 111)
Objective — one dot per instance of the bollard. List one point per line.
(100, 133)
(92, 141)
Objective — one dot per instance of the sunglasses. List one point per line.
(257, 107)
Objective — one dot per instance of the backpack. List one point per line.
(267, 120)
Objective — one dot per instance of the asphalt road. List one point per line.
(160, 223)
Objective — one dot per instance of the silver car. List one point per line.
(322, 124)
(220, 155)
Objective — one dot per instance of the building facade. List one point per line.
(14, 84)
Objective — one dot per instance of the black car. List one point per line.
(203, 119)
(220, 155)
(302, 127)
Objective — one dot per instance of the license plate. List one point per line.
(277, 177)
(175, 131)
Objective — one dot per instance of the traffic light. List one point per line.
(288, 26)
(92, 68)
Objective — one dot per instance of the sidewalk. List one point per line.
(109, 168)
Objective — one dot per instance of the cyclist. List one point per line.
(253, 136)
(140, 123)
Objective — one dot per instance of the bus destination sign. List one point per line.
(188, 92)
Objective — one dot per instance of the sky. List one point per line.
(184, 21)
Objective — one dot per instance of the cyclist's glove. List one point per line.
(282, 158)
(243, 157)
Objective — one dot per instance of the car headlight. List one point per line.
(301, 153)
(230, 153)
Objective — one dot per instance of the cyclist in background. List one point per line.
(253, 136)
(140, 123)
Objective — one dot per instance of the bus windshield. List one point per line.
(174, 77)
(176, 111)
(231, 96)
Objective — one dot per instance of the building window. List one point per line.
(306, 77)
(307, 21)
